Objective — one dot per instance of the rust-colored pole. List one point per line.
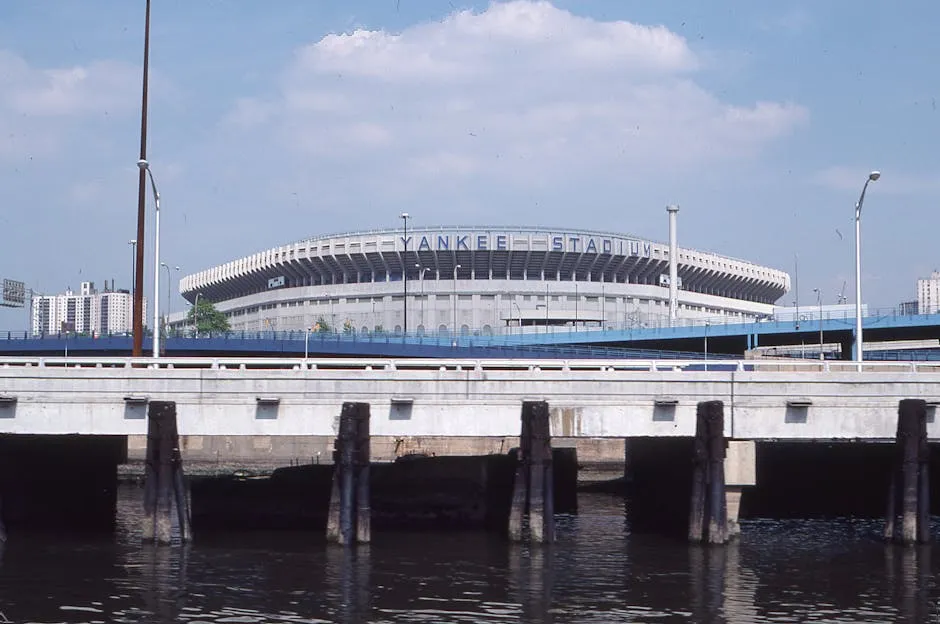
(138, 328)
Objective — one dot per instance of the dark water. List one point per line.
(794, 571)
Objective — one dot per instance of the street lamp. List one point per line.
(874, 175)
(169, 306)
(133, 244)
(421, 277)
(196, 316)
(138, 288)
(404, 268)
(707, 325)
(145, 167)
(455, 298)
(818, 292)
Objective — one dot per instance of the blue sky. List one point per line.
(272, 122)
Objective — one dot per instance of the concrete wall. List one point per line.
(282, 450)
(462, 399)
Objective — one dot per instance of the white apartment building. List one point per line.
(86, 312)
(928, 294)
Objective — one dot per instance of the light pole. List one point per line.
(455, 298)
(169, 307)
(196, 316)
(133, 244)
(138, 289)
(874, 175)
(818, 292)
(145, 167)
(707, 324)
(421, 277)
(576, 304)
(518, 315)
(404, 269)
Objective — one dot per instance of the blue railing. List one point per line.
(808, 321)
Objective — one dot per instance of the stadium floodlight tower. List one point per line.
(873, 176)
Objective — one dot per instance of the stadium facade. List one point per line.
(479, 280)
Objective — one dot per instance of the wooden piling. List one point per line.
(708, 513)
(164, 486)
(3, 528)
(363, 459)
(163, 522)
(520, 485)
(332, 518)
(907, 422)
(923, 479)
(717, 509)
(148, 530)
(533, 487)
(910, 479)
(181, 494)
(891, 511)
(349, 516)
(699, 476)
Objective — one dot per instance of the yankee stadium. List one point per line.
(478, 280)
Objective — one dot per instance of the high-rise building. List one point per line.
(928, 294)
(86, 312)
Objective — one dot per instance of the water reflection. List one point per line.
(909, 570)
(531, 581)
(348, 582)
(597, 572)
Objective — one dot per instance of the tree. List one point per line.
(321, 326)
(207, 319)
(348, 327)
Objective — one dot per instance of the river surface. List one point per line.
(779, 571)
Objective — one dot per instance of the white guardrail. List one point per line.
(367, 364)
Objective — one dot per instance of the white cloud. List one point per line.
(37, 105)
(518, 93)
(102, 86)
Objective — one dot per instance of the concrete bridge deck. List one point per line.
(764, 400)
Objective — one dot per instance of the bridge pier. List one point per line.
(164, 485)
(349, 518)
(533, 486)
(910, 476)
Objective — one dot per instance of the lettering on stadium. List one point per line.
(547, 242)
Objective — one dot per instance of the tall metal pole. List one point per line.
(822, 356)
(133, 244)
(138, 325)
(874, 175)
(421, 273)
(196, 316)
(156, 275)
(673, 265)
(707, 324)
(404, 270)
(457, 266)
(169, 305)
(145, 167)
